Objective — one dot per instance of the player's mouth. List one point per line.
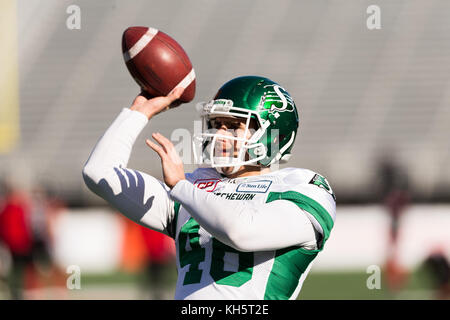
(224, 148)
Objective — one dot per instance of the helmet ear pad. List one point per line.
(268, 146)
(269, 142)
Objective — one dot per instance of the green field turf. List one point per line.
(318, 285)
(352, 286)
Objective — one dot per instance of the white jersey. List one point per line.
(245, 238)
(209, 269)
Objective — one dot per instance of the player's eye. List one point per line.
(229, 125)
(234, 125)
(214, 124)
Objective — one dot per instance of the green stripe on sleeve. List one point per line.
(309, 205)
(289, 265)
(173, 224)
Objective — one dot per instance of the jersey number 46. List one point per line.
(189, 237)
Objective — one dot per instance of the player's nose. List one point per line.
(223, 130)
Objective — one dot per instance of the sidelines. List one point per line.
(358, 240)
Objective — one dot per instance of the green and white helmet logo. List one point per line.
(277, 99)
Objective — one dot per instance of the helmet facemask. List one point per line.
(208, 149)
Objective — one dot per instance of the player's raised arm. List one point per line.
(137, 195)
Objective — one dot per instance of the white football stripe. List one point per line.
(138, 46)
(186, 81)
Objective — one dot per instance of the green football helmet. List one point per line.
(249, 97)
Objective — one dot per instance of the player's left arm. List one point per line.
(245, 226)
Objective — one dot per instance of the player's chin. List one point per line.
(227, 170)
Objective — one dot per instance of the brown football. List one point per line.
(157, 62)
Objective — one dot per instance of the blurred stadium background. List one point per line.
(375, 120)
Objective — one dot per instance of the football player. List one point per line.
(242, 230)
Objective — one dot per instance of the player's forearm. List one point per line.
(114, 147)
(244, 226)
(138, 196)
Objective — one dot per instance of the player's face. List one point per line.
(233, 127)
